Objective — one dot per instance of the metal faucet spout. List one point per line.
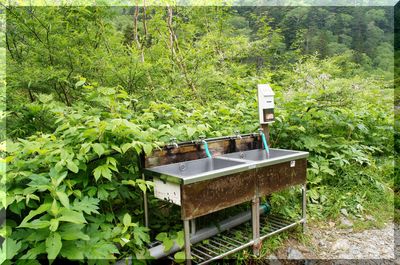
(206, 148)
(264, 140)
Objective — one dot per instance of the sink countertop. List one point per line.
(208, 168)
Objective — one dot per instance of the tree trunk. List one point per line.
(135, 33)
(176, 54)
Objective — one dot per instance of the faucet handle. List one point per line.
(172, 142)
(260, 130)
(237, 134)
(201, 139)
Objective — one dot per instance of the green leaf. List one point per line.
(101, 250)
(190, 131)
(102, 170)
(42, 208)
(9, 249)
(141, 235)
(102, 194)
(36, 224)
(168, 244)
(54, 224)
(87, 205)
(130, 182)
(179, 257)
(71, 251)
(147, 148)
(80, 83)
(97, 173)
(180, 239)
(125, 147)
(106, 172)
(39, 182)
(127, 219)
(53, 245)
(161, 236)
(69, 231)
(72, 166)
(32, 253)
(98, 148)
(63, 198)
(112, 161)
(68, 215)
(142, 186)
(57, 177)
(116, 148)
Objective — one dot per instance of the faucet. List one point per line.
(264, 140)
(238, 136)
(173, 143)
(205, 147)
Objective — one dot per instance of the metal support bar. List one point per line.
(255, 207)
(186, 229)
(192, 227)
(304, 206)
(146, 207)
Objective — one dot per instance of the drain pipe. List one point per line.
(157, 252)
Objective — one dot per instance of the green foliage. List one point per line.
(64, 184)
(90, 95)
(347, 126)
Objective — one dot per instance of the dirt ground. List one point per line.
(341, 246)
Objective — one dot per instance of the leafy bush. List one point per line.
(347, 126)
(74, 192)
(74, 186)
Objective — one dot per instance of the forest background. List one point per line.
(91, 88)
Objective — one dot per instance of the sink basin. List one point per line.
(196, 168)
(261, 154)
(209, 168)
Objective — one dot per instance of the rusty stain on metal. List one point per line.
(212, 195)
(277, 177)
(209, 196)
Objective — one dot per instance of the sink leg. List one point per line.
(186, 229)
(304, 206)
(193, 227)
(145, 207)
(255, 216)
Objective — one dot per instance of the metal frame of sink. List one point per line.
(233, 180)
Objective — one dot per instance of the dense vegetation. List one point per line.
(91, 88)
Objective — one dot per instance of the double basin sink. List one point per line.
(209, 168)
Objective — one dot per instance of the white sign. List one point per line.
(167, 191)
(265, 103)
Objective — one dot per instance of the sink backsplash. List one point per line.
(192, 151)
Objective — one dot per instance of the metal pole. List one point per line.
(192, 227)
(146, 207)
(255, 215)
(304, 206)
(186, 229)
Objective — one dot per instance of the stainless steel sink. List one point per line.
(200, 168)
(260, 154)
(209, 168)
(260, 158)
